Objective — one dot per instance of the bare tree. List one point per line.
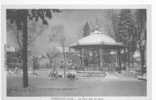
(52, 54)
(57, 35)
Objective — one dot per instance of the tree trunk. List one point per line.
(64, 57)
(101, 57)
(128, 58)
(25, 39)
(124, 62)
(81, 57)
(142, 55)
(119, 61)
(18, 39)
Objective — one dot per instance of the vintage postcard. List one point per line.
(76, 52)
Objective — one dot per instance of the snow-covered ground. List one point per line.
(40, 85)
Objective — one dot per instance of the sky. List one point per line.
(72, 22)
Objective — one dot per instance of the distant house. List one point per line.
(13, 57)
(10, 48)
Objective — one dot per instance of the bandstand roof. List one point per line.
(97, 39)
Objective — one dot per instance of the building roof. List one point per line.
(96, 38)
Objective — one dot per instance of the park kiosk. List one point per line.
(98, 43)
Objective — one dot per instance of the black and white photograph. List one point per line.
(76, 52)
